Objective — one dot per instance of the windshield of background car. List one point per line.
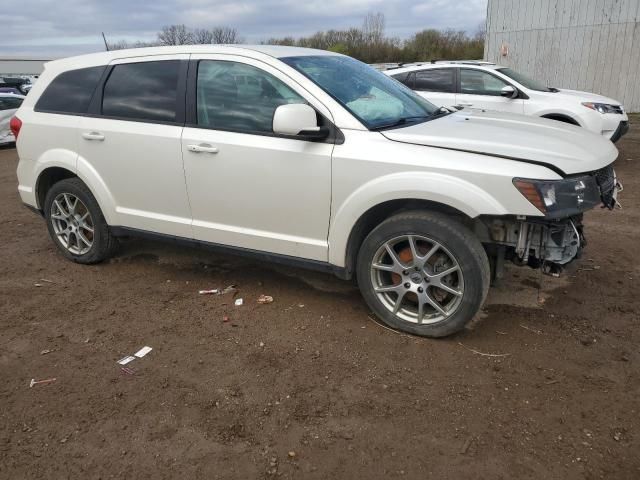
(374, 98)
(523, 80)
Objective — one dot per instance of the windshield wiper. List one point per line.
(400, 121)
(441, 112)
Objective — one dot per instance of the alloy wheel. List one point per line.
(72, 223)
(417, 279)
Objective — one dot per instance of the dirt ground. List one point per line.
(309, 386)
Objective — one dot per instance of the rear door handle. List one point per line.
(466, 104)
(202, 148)
(93, 136)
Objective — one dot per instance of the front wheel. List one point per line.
(423, 273)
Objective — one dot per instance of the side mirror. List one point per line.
(300, 120)
(509, 92)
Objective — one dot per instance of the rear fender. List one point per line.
(90, 176)
(29, 172)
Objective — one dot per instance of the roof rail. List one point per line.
(410, 64)
(464, 62)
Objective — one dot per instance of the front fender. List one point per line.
(435, 187)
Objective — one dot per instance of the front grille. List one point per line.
(606, 180)
(617, 109)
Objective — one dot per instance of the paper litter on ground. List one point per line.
(142, 352)
(125, 360)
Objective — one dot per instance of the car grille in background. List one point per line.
(606, 180)
(617, 109)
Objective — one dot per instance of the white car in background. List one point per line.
(9, 104)
(487, 86)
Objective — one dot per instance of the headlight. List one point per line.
(560, 198)
(603, 107)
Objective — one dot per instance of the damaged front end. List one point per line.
(552, 241)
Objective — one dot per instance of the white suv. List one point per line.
(487, 86)
(310, 158)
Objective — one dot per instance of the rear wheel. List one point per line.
(423, 273)
(76, 224)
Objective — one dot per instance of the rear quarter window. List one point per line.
(71, 91)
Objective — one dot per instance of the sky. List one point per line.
(55, 28)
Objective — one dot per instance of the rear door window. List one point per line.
(70, 92)
(145, 91)
(435, 80)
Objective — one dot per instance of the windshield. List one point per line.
(377, 100)
(524, 80)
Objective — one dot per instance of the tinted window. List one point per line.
(235, 96)
(70, 92)
(478, 82)
(435, 80)
(401, 77)
(8, 103)
(142, 91)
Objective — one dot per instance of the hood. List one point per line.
(585, 97)
(560, 146)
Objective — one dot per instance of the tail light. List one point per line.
(15, 125)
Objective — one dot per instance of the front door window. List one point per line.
(478, 82)
(239, 97)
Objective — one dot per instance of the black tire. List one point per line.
(104, 244)
(458, 240)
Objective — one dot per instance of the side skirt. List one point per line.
(238, 251)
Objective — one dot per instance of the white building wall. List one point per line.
(591, 45)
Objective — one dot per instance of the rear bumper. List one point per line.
(622, 129)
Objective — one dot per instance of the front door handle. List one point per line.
(466, 104)
(202, 148)
(93, 136)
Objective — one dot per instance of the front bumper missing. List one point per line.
(552, 241)
(544, 244)
(537, 242)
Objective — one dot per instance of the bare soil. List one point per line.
(309, 386)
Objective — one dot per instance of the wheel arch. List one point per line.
(378, 213)
(561, 117)
(50, 175)
(46, 179)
